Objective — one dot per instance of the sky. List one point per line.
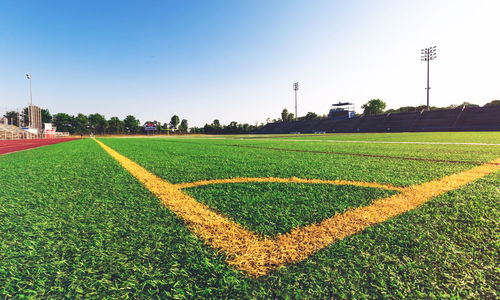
(237, 60)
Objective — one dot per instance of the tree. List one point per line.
(232, 127)
(63, 122)
(311, 116)
(406, 109)
(286, 116)
(184, 126)
(116, 125)
(81, 123)
(208, 128)
(131, 124)
(174, 122)
(373, 107)
(217, 128)
(466, 104)
(196, 130)
(165, 128)
(12, 117)
(46, 116)
(492, 103)
(98, 123)
(159, 127)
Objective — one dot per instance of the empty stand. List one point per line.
(398, 122)
(479, 118)
(369, 123)
(11, 132)
(437, 120)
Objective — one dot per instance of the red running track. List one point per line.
(9, 146)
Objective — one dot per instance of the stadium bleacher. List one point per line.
(370, 123)
(347, 125)
(479, 118)
(398, 122)
(457, 119)
(437, 120)
(11, 132)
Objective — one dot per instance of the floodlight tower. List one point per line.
(296, 88)
(31, 99)
(428, 54)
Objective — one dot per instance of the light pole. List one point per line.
(428, 54)
(31, 99)
(296, 88)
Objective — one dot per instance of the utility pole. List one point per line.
(296, 88)
(428, 54)
(31, 100)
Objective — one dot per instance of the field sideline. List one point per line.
(289, 216)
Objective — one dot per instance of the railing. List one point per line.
(62, 134)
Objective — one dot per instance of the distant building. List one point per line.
(341, 111)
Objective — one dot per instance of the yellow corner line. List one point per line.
(257, 255)
(288, 180)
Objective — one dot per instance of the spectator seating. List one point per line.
(461, 119)
(437, 120)
(11, 132)
(479, 118)
(398, 122)
(369, 123)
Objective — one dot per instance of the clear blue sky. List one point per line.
(237, 60)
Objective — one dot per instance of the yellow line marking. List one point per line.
(258, 255)
(288, 180)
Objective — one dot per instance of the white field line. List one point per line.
(351, 141)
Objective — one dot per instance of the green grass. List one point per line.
(77, 225)
(426, 137)
(183, 161)
(447, 248)
(274, 208)
(74, 223)
(462, 153)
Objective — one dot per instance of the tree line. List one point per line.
(377, 107)
(98, 124)
(232, 128)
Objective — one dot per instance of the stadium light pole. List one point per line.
(428, 54)
(296, 88)
(28, 75)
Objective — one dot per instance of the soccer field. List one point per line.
(290, 216)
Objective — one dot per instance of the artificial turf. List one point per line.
(488, 137)
(394, 152)
(74, 223)
(277, 208)
(186, 161)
